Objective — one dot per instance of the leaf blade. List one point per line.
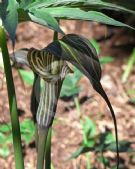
(46, 19)
(78, 14)
(9, 17)
(85, 4)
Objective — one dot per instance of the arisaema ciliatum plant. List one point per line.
(51, 63)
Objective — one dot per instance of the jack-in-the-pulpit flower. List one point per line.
(53, 71)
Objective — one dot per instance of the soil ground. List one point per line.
(67, 133)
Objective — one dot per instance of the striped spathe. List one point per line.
(53, 71)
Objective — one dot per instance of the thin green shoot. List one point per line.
(84, 134)
(129, 67)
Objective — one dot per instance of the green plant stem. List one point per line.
(88, 160)
(129, 67)
(84, 135)
(48, 150)
(47, 160)
(47, 164)
(44, 142)
(80, 118)
(42, 133)
(19, 162)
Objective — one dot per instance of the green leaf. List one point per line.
(25, 3)
(27, 126)
(27, 130)
(27, 76)
(96, 45)
(81, 150)
(82, 54)
(85, 4)
(104, 160)
(89, 131)
(129, 67)
(109, 138)
(132, 101)
(9, 139)
(75, 9)
(78, 14)
(5, 128)
(42, 17)
(4, 151)
(106, 59)
(2, 138)
(89, 128)
(124, 146)
(70, 85)
(9, 17)
(44, 12)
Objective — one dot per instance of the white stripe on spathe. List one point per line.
(53, 71)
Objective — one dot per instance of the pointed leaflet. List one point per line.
(79, 14)
(41, 17)
(10, 17)
(124, 147)
(25, 3)
(82, 54)
(44, 18)
(77, 9)
(85, 4)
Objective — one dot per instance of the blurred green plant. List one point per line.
(129, 67)
(70, 85)
(132, 101)
(27, 132)
(103, 59)
(98, 143)
(27, 76)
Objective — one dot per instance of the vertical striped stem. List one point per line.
(53, 71)
(47, 162)
(42, 132)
